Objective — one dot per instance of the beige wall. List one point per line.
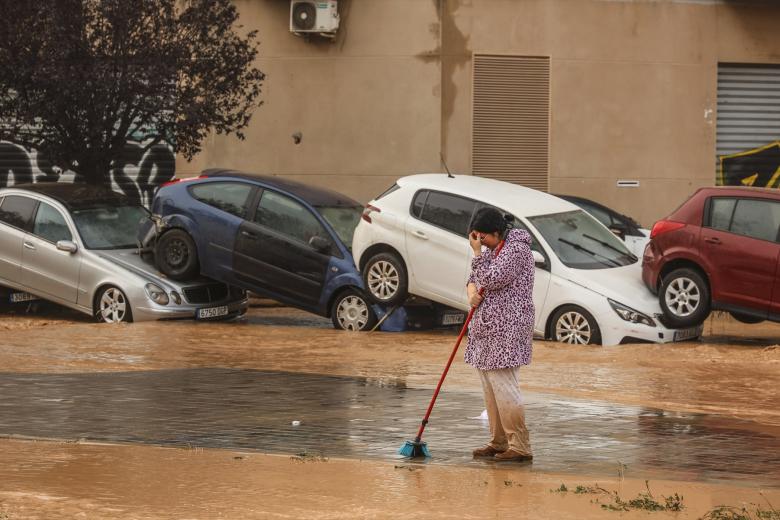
(633, 91)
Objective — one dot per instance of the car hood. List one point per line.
(622, 284)
(130, 260)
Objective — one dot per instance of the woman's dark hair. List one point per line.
(489, 220)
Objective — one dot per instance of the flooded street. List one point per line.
(700, 416)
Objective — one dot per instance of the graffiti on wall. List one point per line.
(759, 167)
(137, 174)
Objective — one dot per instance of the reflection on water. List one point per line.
(371, 418)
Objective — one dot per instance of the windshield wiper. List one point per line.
(591, 253)
(631, 255)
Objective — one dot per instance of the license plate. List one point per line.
(452, 319)
(22, 297)
(686, 334)
(212, 312)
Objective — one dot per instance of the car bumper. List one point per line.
(152, 312)
(615, 331)
(651, 267)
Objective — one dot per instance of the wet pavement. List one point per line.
(359, 417)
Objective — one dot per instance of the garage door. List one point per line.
(748, 133)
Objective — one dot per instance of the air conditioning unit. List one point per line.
(313, 16)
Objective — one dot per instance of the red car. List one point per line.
(718, 251)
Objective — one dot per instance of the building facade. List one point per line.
(630, 103)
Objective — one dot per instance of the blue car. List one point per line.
(272, 236)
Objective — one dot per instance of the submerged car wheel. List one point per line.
(111, 306)
(176, 255)
(352, 311)
(385, 277)
(685, 298)
(576, 326)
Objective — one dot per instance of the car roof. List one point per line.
(314, 195)
(742, 191)
(520, 200)
(77, 195)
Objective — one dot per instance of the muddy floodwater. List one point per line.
(704, 413)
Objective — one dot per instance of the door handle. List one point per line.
(420, 234)
(713, 240)
(249, 235)
(29, 246)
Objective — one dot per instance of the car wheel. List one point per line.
(745, 318)
(352, 311)
(176, 255)
(385, 278)
(111, 306)
(684, 298)
(576, 326)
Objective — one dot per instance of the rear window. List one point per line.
(231, 197)
(17, 211)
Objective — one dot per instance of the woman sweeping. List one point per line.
(501, 331)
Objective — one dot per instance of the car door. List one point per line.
(739, 241)
(437, 245)
(16, 213)
(274, 252)
(219, 229)
(45, 269)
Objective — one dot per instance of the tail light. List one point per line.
(664, 226)
(175, 181)
(368, 211)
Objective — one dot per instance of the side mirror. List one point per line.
(320, 244)
(538, 258)
(67, 246)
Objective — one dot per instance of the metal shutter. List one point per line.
(748, 152)
(511, 119)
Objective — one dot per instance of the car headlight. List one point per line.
(156, 294)
(629, 314)
(176, 297)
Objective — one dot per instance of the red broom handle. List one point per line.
(452, 356)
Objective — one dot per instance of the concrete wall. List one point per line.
(633, 91)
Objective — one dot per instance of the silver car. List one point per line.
(74, 244)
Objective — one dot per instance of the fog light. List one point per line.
(156, 294)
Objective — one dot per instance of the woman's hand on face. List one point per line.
(475, 243)
(475, 299)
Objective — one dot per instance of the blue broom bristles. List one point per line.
(414, 449)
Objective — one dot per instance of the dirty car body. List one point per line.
(278, 238)
(75, 245)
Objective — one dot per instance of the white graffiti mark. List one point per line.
(136, 174)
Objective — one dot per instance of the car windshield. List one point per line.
(581, 242)
(109, 227)
(343, 220)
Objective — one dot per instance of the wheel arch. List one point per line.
(682, 263)
(381, 248)
(548, 332)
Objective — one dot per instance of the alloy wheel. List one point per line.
(113, 306)
(383, 280)
(352, 313)
(682, 297)
(574, 328)
(176, 253)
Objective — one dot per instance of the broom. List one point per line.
(417, 448)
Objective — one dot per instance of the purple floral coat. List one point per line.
(501, 330)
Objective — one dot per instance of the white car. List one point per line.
(588, 287)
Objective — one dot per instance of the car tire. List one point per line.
(385, 279)
(684, 297)
(745, 318)
(176, 256)
(574, 325)
(351, 310)
(112, 306)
